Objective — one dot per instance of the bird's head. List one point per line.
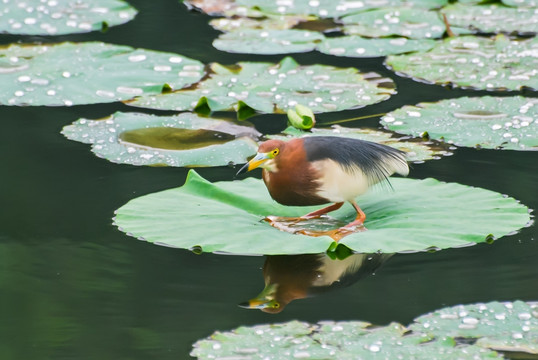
(266, 301)
(266, 157)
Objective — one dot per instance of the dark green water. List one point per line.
(74, 287)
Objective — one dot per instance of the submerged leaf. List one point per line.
(269, 88)
(89, 73)
(62, 16)
(487, 122)
(417, 215)
(180, 140)
(470, 61)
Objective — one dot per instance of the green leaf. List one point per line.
(521, 3)
(486, 122)
(356, 46)
(332, 340)
(301, 118)
(268, 88)
(227, 217)
(180, 140)
(88, 73)
(62, 16)
(266, 42)
(473, 62)
(400, 21)
(459, 332)
(269, 22)
(492, 18)
(417, 150)
(510, 326)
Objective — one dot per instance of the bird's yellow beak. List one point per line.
(255, 162)
(264, 300)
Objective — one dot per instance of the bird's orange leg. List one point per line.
(325, 210)
(359, 220)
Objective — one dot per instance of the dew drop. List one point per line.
(66, 74)
(360, 50)
(23, 78)
(524, 316)
(19, 93)
(137, 58)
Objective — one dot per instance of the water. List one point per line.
(74, 287)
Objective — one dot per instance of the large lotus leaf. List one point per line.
(488, 122)
(181, 140)
(499, 326)
(492, 18)
(88, 73)
(417, 150)
(269, 88)
(255, 41)
(62, 16)
(357, 46)
(401, 21)
(344, 340)
(474, 62)
(227, 217)
(331, 8)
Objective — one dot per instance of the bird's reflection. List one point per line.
(292, 277)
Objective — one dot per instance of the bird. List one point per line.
(293, 277)
(317, 170)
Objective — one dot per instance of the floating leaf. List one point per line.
(254, 41)
(417, 215)
(356, 46)
(269, 88)
(460, 332)
(521, 3)
(62, 16)
(470, 61)
(511, 327)
(492, 18)
(88, 73)
(181, 140)
(229, 24)
(417, 150)
(488, 122)
(331, 8)
(401, 21)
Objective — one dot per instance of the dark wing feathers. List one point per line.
(376, 161)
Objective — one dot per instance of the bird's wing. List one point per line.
(376, 161)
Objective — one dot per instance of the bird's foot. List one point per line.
(290, 224)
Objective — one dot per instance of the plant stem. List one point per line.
(352, 119)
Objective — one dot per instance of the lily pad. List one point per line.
(254, 41)
(181, 140)
(492, 18)
(417, 150)
(88, 73)
(401, 21)
(417, 215)
(473, 62)
(357, 46)
(511, 327)
(228, 24)
(268, 88)
(487, 122)
(62, 16)
(331, 8)
(461, 332)
(521, 3)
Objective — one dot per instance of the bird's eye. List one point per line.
(275, 152)
(276, 305)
